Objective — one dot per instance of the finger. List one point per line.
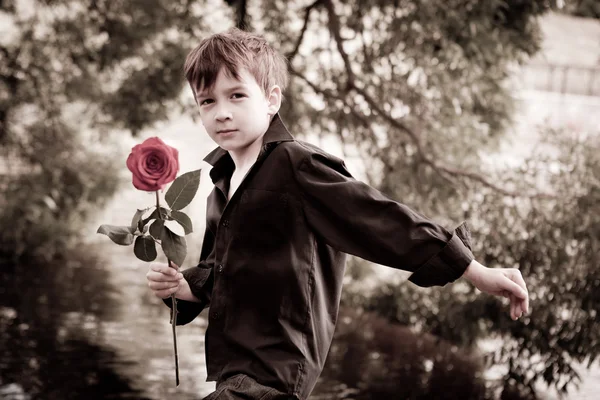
(525, 305)
(160, 277)
(163, 294)
(514, 288)
(512, 310)
(518, 278)
(174, 266)
(518, 309)
(164, 269)
(159, 285)
(515, 275)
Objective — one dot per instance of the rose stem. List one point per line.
(174, 304)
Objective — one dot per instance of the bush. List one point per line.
(60, 183)
(372, 358)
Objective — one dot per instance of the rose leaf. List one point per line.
(122, 235)
(156, 228)
(175, 227)
(183, 190)
(174, 246)
(143, 222)
(136, 220)
(183, 220)
(145, 248)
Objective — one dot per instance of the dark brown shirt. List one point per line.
(273, 259)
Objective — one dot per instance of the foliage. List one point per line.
(583, 8)
(418, 87)
(373, 359)
(72, 74)
(555, 243)
(56, 188)
(153, 228)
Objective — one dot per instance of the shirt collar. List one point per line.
(221, 161)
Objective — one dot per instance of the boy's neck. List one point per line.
(246, 157)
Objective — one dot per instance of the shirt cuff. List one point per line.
(449, 264)
(186, 310)
(196, 278)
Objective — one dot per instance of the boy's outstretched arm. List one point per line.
(357, 219)
(506, 282)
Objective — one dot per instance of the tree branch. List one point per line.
(334, 27)
(291, 55)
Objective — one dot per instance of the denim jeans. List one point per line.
(243, 387)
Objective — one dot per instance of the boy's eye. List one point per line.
(238, 95)
(203, 102)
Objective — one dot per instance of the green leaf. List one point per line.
(166, 214)
(175, 227)
(156, 228)
(145, 248)
(174, 246)
(143, 222)
(136, 219)
(183, 190)
(183, 220)
(122, 235)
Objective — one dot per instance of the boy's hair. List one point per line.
(232, 50)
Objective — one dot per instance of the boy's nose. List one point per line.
(222, 114)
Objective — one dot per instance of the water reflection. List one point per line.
(85, 327)
(47, 313)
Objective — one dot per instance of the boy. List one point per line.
(280, 219)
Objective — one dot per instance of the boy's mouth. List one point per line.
(225, 131)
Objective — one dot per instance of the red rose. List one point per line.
(153, 164)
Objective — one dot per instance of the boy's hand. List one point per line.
(165, 280)
(506, 282)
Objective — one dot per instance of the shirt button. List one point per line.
(220, 268)
(215, 315)
(225, 223)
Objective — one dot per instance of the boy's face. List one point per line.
(236, 113)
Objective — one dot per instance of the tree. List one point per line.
(72, 74)
(583, 8)
(556, 245)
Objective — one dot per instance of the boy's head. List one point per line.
(237, 80)
(232, 51)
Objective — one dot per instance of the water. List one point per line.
(89, 328)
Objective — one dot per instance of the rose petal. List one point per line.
(148, 186)
(153, 164)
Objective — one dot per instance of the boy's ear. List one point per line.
(274, 99)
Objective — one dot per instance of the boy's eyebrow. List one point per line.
(229, 89)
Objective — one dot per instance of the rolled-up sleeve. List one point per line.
(357, 219)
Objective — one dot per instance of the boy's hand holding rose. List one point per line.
(166, 281)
